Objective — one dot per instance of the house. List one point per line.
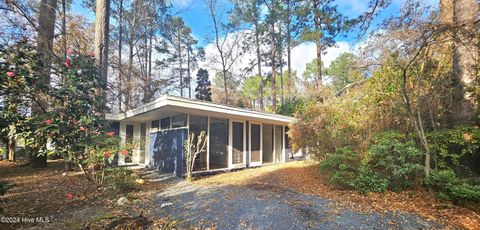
(236, 138)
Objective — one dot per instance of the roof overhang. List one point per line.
(168, 105)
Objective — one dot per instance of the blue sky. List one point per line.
(196, 15)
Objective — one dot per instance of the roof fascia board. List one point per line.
(181, 102)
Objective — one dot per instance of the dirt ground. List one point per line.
(304, 177)
(46, 199)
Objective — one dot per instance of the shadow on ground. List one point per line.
(263, 204)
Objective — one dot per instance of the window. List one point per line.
(287, 139)
(165, 123)
(218, 156)
(179, 121)
(267, 143)
(114, 127)
(255, 145)
(278, 143)
(129, 134)
(143, 140)
(237, 138)
(155, 125)
(197, 125)
(247, 140)
(129, 139)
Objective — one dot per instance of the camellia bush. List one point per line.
(76, 128)
(73, 126)
(18, 89)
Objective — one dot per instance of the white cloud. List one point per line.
(301, 55)
(181, 3)
(212, 61)
(306, 52)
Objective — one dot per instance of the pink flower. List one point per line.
(70, 51)
(68, 63)
(94, 132)
(10, 74)
(110, 134)
(48, 122)
(82, 128)
(69, 195)
(124, 152)
(91, 54)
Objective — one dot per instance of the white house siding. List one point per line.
(169, 106)
(284, 152)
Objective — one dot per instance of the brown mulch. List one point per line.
(306, 178)
(46, 193)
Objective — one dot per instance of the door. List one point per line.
(238, 143)
(129, 140)
(143, 143)
(278, 143)
(255, 144)
(218, 143)
(267, 143)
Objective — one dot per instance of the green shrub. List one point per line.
(465, 192)
(441, 180)
(457, 148)
(448, 186)
(368, 181)
(343, 166)
(396, 157)
(120, 179)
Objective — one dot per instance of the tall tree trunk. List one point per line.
(46, 29)
(180, 62)
(11, 148)
(282, 97)
(146, 91)
(274, 87)
(149, 72)
(102, 29)
(259, 66)
(188, 74)
(289, 49)
(64, 29)
(463, 16)
(128, 89)
(68, 165)
(280, 60)
(120, 70)
(318, 43)
(225, 88)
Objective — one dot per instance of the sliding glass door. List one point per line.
(255, 144)
(143, 142)
(267, 143)
(238, 142)
(218, 152)
(278, 143)
(199, 124)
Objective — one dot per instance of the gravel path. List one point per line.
(269, 208)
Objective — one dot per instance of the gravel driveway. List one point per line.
(234, 207)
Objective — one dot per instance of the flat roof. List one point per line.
(196, 105)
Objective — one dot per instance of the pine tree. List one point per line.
(203, 91)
